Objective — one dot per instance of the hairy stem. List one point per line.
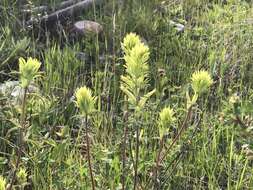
(124, 148)
(136, 158)
(156, 168)
(88, 152)
(21, 138)
(124, 158)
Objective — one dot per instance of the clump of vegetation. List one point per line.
(161, 99)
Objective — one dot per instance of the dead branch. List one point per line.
(63, 14)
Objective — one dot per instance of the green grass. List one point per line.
(210, 154)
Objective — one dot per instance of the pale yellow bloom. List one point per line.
(136, 61)
(2, 183)
(165, 120)
(201, 81)
(22, 176)
(28, 70)
(84, 100)
(129, 42)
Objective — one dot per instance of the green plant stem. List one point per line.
(88, 152)
(124, 148)
(21, 138)
(156, 168)
(124, 158)
(136, 158)
(184, 125)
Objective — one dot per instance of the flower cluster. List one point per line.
(166, 118)
(22, 176)
(28, 70)
(201, 81)
(136, 56)
(136, 61)
(2, 183)
(129, 42)
(85, 101)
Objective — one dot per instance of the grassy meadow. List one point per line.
(160, 99)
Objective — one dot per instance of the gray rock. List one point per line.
(15, 92)
(85, 27)
(7, 87)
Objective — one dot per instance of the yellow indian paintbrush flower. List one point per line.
(2, 183)
(84, 100)
(129, 42)
(201, 81)
(137, 70)
(136, 61)
(22, 176)
(165, 120)
(28, 70)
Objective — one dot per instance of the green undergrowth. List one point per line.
(214, 150)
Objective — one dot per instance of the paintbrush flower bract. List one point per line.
(2, 183)
(84, 100)
(166, 118)
(129, 42)
(28, 70)
(201, 81)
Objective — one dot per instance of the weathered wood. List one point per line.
(39, 9)
(63, 14)
(67, 3)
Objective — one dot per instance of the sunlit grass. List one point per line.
(194, 129)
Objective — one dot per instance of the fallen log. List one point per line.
(63, 14)
(67, 3)
(39, 9)
(43, 8)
